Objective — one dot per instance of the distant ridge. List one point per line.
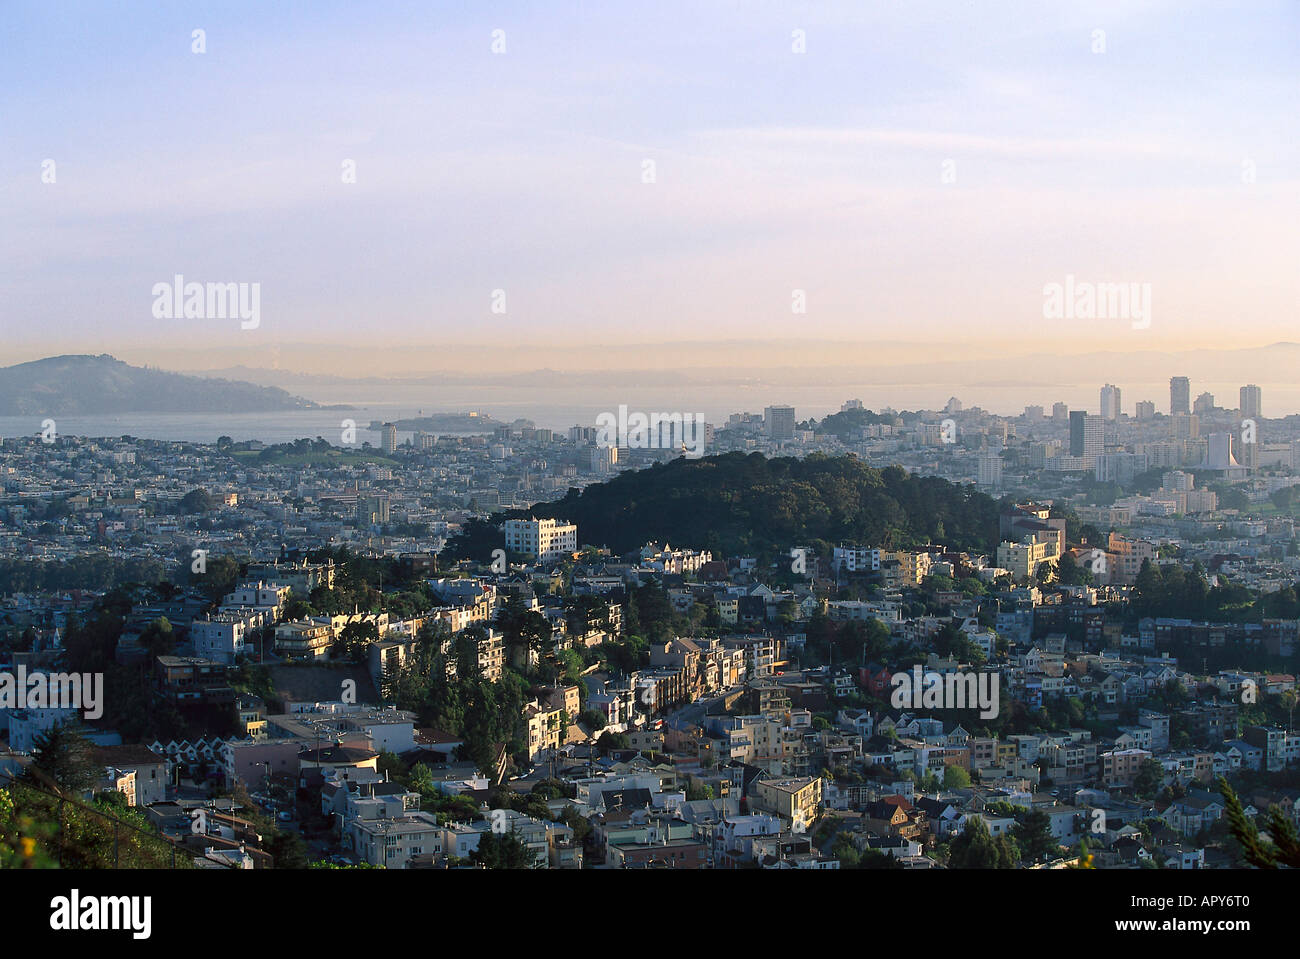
(81, 385)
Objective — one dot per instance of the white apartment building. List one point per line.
(544, 539)
(856, 559)
(259, 595)
(1022, 559)
(222, 637)
(989, 469)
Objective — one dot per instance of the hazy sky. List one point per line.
(1172, 158)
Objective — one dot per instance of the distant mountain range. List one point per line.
(83, 385)
(1028, 363)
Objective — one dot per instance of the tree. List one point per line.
(219, 577)
(1149, 779)
(354, 639)
(488, 724)
(287, 849)
(66, 756)
(196, 501)
(1033, 834)
(974, 848)
(421, 779)
(1068, 572)
(503, 851)
(522, 630)
(694, 792)
(465, 649)
(158, 638)
(390, 764)
(609, 741)
(955, 777)
(1284, 850)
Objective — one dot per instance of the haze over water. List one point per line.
(560, 407)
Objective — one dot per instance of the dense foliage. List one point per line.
(90, 572)
(741, 503)
(846, 424)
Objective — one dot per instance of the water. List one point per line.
(560, 407)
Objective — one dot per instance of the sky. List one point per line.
(644, 180)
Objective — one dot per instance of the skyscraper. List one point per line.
(1218, 452)
(1110, 402)
(1180, 394)
(990, 468)
(1087, 434)
(779, 421)
(389, 441)
(1251, 402)
(1146, 410)
(1204, 404)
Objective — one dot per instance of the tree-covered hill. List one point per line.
(847, 423)
(739, 503)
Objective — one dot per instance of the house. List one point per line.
(1194, 812)
(668, 854)
(798, 800)
(393, 843)
(150, 769)
(896, 846)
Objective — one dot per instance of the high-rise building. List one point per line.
(1146, 410)
(1218, 452)
(1248, 445)
(1060, 412)
(1033, 413)
(1110, 402)
(1251, 402)
(1180, 394)
(603, 459)
(1087, 435)
(1204, 404)
(779, 421)
(388, 441)
(990, 468)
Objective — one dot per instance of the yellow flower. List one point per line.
(29, 846)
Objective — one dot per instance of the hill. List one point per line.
(80, 385)
(742, 503)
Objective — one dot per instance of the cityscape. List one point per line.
(674, 704)
(706, 441)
